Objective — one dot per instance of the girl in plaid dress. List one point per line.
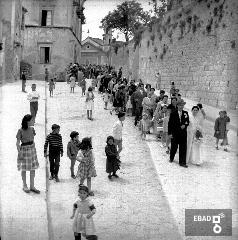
(27, 157)
(86, 168)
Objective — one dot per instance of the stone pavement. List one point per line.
(133, 207)
(23, 216)
(146, 202)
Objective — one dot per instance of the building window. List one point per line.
(46, 18)
(44, 55)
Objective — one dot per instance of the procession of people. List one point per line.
(160, 115)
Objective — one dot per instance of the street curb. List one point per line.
(49, 219)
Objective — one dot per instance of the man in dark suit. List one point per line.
(177, 130)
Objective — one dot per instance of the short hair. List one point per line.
(195, 107)
(152, 89)
(55, 126)
(110, 137)
(165, 96)
(73, 134)
(162, 91)
(179, 94)
(24, 124)
(90, 89)
(121, 114)
(172, 98)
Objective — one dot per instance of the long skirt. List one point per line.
(27, 158)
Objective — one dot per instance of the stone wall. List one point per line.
(61, 36)
(196, 46)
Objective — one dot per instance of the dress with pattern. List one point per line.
(86, 166)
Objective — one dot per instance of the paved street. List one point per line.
(147, 201)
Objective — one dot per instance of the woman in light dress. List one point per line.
(72, 83)
(193, 139)
(90, 103)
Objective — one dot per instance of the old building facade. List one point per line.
(53, 31)
(11, 39)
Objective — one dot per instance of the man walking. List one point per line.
(177, 131)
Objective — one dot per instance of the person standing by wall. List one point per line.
(23, 78)
(46, 74)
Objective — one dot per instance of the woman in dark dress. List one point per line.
(113, 163)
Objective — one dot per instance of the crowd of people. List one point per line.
(162, 115)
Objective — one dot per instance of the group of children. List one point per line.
(83, 210)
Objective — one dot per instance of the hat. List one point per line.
(55, 126)
(181, 102)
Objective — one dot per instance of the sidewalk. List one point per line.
(23, 216)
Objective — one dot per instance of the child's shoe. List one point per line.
(109, 176)
(73, 176)
(115, 175)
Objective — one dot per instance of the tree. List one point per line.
(159, 11)
(126, 18)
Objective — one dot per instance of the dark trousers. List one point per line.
(33, 108)
(54, 158)
(133, 109)
(182, 143)
(138, 113)
(23, 86)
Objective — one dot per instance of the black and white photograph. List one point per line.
(118, 119)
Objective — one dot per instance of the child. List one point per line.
(27, 157)
(225, 140)
(143, 125)
(33, 97)
(129, 106)
(83, 86)
(90, 103)
(54, 140)
(220, 129)
(51, 86)
(83, 210)
(86, 168)
(72, 83)
(106, 97)
(72, 150)
(165, 137)
(112, 164)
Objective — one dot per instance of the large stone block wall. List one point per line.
(196, 46)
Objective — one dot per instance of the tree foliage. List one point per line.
(128, 17)
(159, 9)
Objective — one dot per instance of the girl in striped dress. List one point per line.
(27, 157)
(86, 168)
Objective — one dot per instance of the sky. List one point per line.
(96, 10)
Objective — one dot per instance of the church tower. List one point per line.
(107, 39)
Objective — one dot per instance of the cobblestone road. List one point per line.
(132, 207)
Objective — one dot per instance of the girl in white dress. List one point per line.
(83, 210)
(194, 135)
(72, 83)
(90, 103)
